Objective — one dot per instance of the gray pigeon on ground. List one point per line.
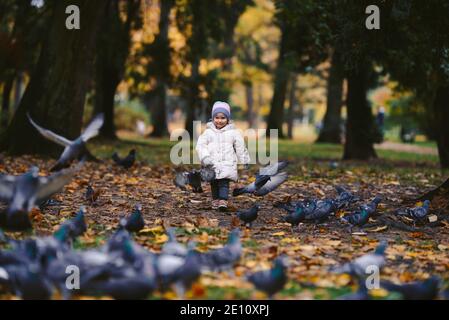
(416, 213)
(248, 216)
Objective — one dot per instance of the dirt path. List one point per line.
(395, 146)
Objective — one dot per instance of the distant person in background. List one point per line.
(380, 121)
(140, 127)
(380, 118)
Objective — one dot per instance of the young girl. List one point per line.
(222, 147)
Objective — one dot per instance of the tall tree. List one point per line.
(21, 28)
(359, 142)
(331, 129)
(161, 52)
(200, 28)
(57, 89)
(301, 47)
(284, 64)
(111, 54)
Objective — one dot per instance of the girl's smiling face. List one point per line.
(220, 120)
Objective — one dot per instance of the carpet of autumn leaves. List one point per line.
(415, 254)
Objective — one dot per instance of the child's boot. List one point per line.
(223, 205)
(215, 204)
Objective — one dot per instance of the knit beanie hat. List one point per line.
(223, 107)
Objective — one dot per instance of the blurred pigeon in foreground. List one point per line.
(359, 267)
(24, 192)
(273, 280)
(419, 290)
(187, 273)
(75, 149)
(224, 258)
(172, 246)
(134, 222)
(248, 216)
(360, 294)
(128, 161)
(76, 225)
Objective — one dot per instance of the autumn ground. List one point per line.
(396, 176)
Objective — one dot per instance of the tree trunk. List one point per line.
(249, 94)
(441, 112)
(192, 100)
(331, 130)
(57, 89)
(291, 106)
(112, 52)
(18, 89)
(276, 116)
(159, 113)
(6, 98)
(438, 196)
(360, 122)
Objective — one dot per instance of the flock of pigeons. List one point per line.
(36, 268)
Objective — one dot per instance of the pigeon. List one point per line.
(358, 218)
(308, 206)
(372, 206)
(224, 258)
(322, 209)
(173, 247)
(271, 184)
(359, 266)
(48, 203)
(419, 290)
(273, 280)
(75, 149)
(3, 238)
(416, 213)
(361, 293)
(344, 197)
(273, 169)
(126, 162)
(91, 195)
(207, 173)
(189, 272)
(127, 272)
(135, 221)
(24, 192)
(248, 216)
(77, 225)
(26, 281)
(192, 178)
(267, 172)
(296, 217)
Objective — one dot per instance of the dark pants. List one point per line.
(220, 189)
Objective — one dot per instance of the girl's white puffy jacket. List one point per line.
(223, 148)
